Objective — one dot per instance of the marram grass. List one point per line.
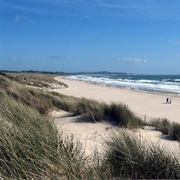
(132, 157)
(30, 145)
(167, 128)
(32, 148)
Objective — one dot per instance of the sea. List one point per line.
(150, 83)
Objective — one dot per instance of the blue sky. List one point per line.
(135, 36)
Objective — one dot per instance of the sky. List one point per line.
(133, 36)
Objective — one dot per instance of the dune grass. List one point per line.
(132, 157)
(167, 128)
(32, 148)
(118, 114)
(34, 79)
(44, 102)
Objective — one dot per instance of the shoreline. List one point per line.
(144, 104)
(166, 93)
(157, 86)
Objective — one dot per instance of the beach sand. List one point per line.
(145, 104)
(93, 135)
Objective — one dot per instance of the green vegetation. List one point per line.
(132, 157)
(117, 114)
(46, 101)
(34, 79)
(167, 128)
(32, 148)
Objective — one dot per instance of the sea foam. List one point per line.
(156, 83)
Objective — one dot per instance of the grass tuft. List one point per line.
(31, 147)
(132, 157)
(167, 128)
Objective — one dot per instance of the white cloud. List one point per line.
(23, 18)
(132, 60)
(145, 7)
(27, 8)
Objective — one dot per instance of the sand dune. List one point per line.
(93, 135)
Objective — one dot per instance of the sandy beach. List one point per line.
(142, 103)
(93, 135)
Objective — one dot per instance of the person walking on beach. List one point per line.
(170, 101)
(167, 100)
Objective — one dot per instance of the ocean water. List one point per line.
(153, 83)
